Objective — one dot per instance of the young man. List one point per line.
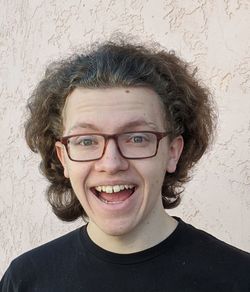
(118, 129)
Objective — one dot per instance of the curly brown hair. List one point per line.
(188, 106)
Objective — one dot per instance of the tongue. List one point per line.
(116, 197)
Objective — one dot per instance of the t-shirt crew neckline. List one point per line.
(137, 257)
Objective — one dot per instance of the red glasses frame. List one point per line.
(159, 135)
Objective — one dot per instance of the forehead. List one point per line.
(113, 109)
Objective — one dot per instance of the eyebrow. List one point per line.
(84, 126)
(129, 125)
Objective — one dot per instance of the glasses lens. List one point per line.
(137, 144)
(86, 147)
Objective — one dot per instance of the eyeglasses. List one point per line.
(131, 145)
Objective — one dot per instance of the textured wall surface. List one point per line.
(214, 35)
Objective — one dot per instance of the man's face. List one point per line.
(111, 111)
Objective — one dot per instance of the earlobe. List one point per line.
(174, 153)
(61, 156)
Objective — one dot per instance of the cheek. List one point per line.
(78, 174)
(159, 174)
(159, 170)
(153, 171)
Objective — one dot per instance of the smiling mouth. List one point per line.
(113, 194)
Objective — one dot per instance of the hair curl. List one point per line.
(188, 106)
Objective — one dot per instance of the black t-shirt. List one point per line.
(188, 260)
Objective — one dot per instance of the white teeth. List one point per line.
(99, 188)
(122, 187)
(110, 203)
(109, 189)
(128, 187)
(113, 189)
(116, 189)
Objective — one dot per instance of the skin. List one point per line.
(140, 221)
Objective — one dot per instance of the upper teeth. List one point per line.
(113, 189)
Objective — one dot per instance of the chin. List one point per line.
(117, 228)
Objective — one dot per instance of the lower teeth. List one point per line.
(107, 202)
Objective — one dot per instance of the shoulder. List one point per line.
(202, 240)
(209, 263)
(42, 260)
(52, 249)
(207, 251)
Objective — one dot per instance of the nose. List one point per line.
(112, 161)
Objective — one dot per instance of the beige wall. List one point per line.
(212, 34)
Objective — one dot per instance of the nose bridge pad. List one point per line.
(112, 160)
(115, 142)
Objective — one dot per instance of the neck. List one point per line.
(143, 236)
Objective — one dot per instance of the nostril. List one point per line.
(111, 161)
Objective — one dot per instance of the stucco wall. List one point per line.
(214, 35)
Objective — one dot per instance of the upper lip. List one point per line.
(113, 183)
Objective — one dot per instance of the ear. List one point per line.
(174, 153)
(60, 151)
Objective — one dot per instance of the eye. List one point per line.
(84, 141)
(137, 139)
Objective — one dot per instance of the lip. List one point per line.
(95, 192)
(123, 206)
(112, 183)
